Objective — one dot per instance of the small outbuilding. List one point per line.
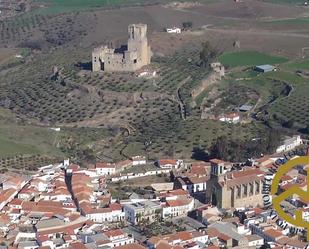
(245, 108)
(265, 68)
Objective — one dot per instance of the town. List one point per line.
(212, 204)
(154, 124)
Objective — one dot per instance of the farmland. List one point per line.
(249, 58)
(282, 93)
(291, 2)
(111, 116)
(58, 6)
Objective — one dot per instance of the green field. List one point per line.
(60, 6)
(249, 58)
(291, 21)
(298, 65)
(291, 2)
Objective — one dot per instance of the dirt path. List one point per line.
(257, 32)
(182, 105)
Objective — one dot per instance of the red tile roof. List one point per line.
(131, 246)
(114, 233)
(167, 161)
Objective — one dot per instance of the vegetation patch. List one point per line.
(298, 65)
(290, 2)
(291, 21)
(249, 58)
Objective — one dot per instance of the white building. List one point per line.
(193, 184)
(169, 163)
(173, 30)
(113, 213)
(232, 118)
(179, 207)
(255, 240)
(289, 144)
(148, 210)
(139, 160)
(118, 237)
(105, 169)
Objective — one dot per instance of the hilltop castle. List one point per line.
(129, 58)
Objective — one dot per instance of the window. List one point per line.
(238, 192)
(135, 61)
(245, 190)
(257, 187)
(251, 188)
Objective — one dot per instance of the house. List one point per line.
(130, 246)
(265, 68)
(208, 214)
(169, 163)
(255, 240)
(232, 118)
(176, 203)
(289, 143)
(148, 210)
(193, 184)
(272, 235)
(173, 30)
(113, 213)
(184, 239)
(139, 160)
(7, 196)
(228, 234)
(118, 237)
(178, 207)
(105, 168)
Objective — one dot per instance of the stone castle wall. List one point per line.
(137, 54)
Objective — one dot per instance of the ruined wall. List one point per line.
(137, 55)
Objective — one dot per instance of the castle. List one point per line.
(128, 58)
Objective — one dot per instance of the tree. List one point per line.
(220, 148)
(199, 154)
(288, 124)
(158, 217)
(265, 246)
(272, 140)
(207, 54)
(305, 130)
(187, 25)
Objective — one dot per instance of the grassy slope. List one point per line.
(17, 139)
(249, 58)
(297, 65)
(294, 107)
(291, 21)
(60, 6)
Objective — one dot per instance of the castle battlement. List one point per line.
(137, 53)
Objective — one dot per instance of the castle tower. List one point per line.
(138, 42)
(128, 58)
